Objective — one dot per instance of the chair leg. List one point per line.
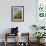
(17, 39)
(5, 43)
(5, 40)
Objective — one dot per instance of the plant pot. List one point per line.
(38, 40)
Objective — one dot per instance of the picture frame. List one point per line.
(17, 13)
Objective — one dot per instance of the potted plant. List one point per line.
(42, 27)
(38, 27)
(35, 26)
(39, 35)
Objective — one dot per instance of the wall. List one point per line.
(29, 15)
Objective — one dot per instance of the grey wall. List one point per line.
(29, 15)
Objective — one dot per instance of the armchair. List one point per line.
(14, 32)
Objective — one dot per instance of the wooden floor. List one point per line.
(13, 44)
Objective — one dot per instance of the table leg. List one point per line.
(5, 40)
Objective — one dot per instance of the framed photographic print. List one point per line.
(17, 13)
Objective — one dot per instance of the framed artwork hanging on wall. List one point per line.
(17, 13)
